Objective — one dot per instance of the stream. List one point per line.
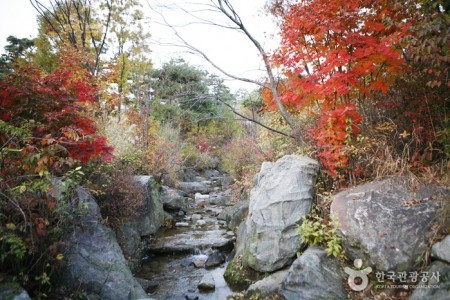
(175, 264)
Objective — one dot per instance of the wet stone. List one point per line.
(207, 282)
(215, 259)
(198, 263)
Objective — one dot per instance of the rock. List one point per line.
(313, 276)
(268, 285)
(12, 290)
(283, 193)
(147, 285)
(194, 187)
(93, 260)
(441, 250)
(207, 282)
(173, 199)
(433, 292)
(211, 173)
(386, 224)
(215, 259)
(200, 197)
(184, 242)
(152, 216)
(220, 200)
(201, 222)
(181, 224)
(199, 263)
(196, 217)
(168, 220)
(149, 220)
(233, 215)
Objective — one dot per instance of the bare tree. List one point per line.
(225, 8)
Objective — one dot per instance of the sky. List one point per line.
(229, 49)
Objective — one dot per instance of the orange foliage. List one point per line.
(335, 55)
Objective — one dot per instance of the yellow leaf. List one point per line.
(59, 256)
(11, 226)
(404, 134)
(22, 189)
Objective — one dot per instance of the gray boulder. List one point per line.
(234, 215)
(314, 275)
(268, 285)
(94, 260)
(149, 220)
(283, 193)
(195, 187)
(441, 250)
(173, 199)
(13, 291)
(437, 289)
(386, 224)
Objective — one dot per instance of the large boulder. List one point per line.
(314, 275)
(173, 199)
(282, 195)
(148, 221)
(441, 250)
(94, 260)
(267, 286)
(435, 288)
(386, 223)
(12, 291)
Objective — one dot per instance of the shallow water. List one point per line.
(169, 265)
(177, 278)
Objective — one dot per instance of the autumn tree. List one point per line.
(128, 41)
(335, 56)
(44, 133)
(78, 24)
(345, 61)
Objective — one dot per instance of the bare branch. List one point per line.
(253, 120)
(226, 8)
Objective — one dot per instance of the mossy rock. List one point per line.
(239, 277)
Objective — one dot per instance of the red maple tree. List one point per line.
(335, 55)
(51, 109)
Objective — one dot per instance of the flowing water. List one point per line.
(170, 262)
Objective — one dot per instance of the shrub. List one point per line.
(315, 231)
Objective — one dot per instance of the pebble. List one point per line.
(201, 222)
(196, 217)
(198, 263)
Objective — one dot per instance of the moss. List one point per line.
(239, 277)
